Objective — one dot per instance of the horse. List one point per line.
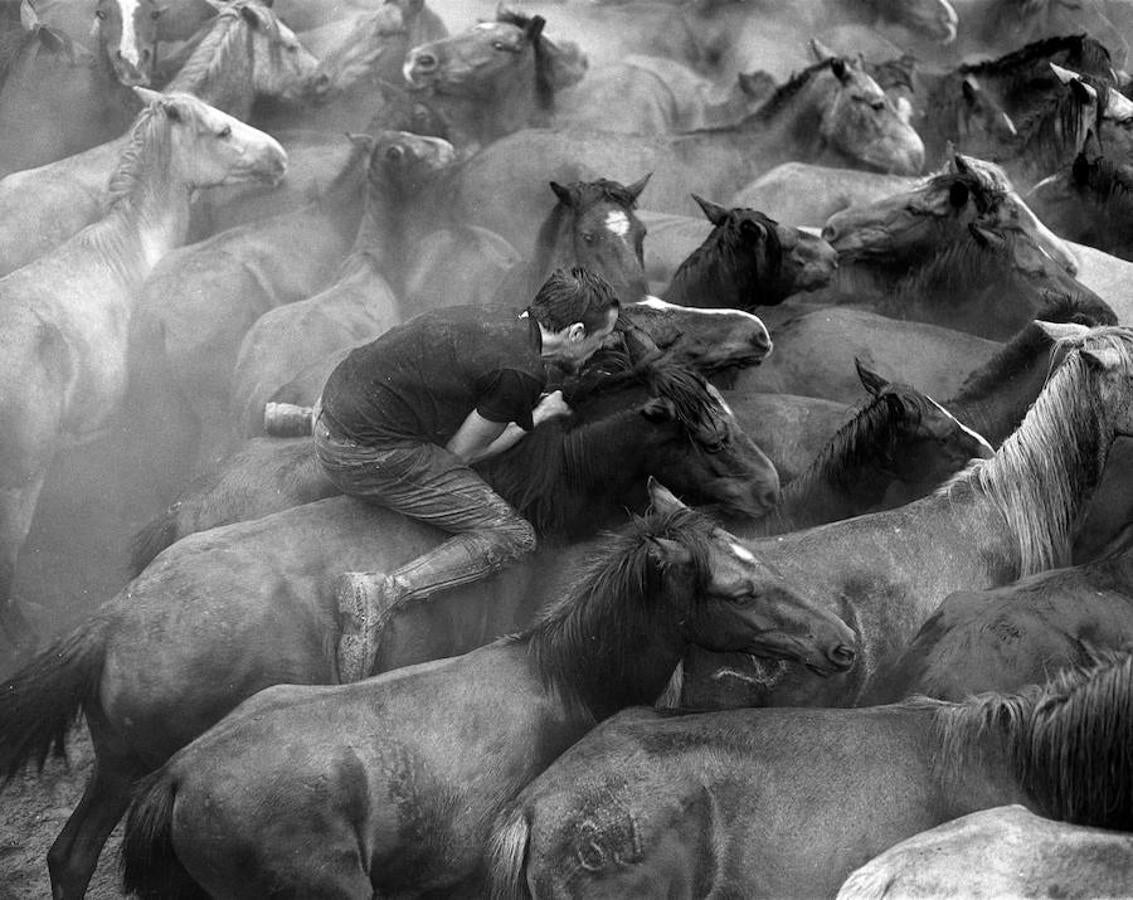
(266, 586)
(58, 98)
(593, 224)
(654, 805)
(953, 253)
(361, 303)
(1005, 851)
(1089, 201)
(885, 573)
(64, 317)
(197, 304)
(508, 70)
(610, 642)
(831, 112)
(749, 260)
(246, 53)
(1008, 637)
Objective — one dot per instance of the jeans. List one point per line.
(427, 482)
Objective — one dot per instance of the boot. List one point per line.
(363, 599)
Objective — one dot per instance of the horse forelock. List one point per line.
(1069, 741)
(1056, 126)
(694, 406)
(1040, 474)
(623, 593)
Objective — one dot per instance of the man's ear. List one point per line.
(576, 331)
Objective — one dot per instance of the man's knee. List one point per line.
(516, 537)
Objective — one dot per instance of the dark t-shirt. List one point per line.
(420, 380)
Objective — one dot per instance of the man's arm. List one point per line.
(479, 438)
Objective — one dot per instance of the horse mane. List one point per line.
(539, 475)
(544, 50)
(1069, 741)
(1040, 471)
(786, 92)
(958, 267)
(219, 43)
(1056, 124)
(1085, 51)
(148, 144)
(723, 264)
(617, 601)
(869, 432)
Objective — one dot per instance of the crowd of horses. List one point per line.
(834, 585)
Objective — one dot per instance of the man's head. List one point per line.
(576, 310)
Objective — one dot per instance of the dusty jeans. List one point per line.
(428, 483)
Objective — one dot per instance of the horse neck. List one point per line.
(1045, 473)
(994, 399)
(227, 84)
(842, 481)
(580, 658)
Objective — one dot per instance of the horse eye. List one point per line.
(501, 46)
(588, 238)
(226, 131)
(99, 14)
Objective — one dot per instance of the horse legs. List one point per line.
(73, 857)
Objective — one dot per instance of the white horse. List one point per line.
(64, 317)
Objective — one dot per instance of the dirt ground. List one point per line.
(33, 809)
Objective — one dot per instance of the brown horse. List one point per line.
(1011, 636)
(64, 318)
(714, 804)
(1005, 518)
(266, 588)
(749, 260)
(494, 78)
(1006, 851)
(450, 742)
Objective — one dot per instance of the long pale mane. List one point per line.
(1042, 472)
(148, 147)
(1069, 741)
(221, 50)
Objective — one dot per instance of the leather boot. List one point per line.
(363, 599)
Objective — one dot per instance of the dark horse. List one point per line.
(715, 804)
(390, 785)
(150, 678)
(749, 260)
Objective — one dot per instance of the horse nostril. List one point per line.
(424, 62)
(842, 656)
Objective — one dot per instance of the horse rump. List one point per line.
(148, 862)
(40, 702)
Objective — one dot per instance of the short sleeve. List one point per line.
(510, 396)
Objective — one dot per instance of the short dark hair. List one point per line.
(574, 295)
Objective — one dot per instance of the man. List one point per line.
(402, 419)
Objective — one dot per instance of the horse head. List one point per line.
(408, 161)
(935, 19)
(747, 607)
(281, 65)
(594, 225)
(127, 32)
(863, 124)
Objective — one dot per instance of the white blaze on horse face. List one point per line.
(975, 435)
(617, 223)
(128, 42)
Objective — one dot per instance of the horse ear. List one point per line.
(563, 193)
(820, 51)
(1063, 75)
(661, 498)
(970, 90)
(870, 380)
(634, 190)
(669, 553)
(534, 28)
(1083, 91)
(29, 18)
(1057, 331)
(712, 211)
(148, 96)
(1101, 358)
(659, 409)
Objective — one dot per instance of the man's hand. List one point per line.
(550, 406)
